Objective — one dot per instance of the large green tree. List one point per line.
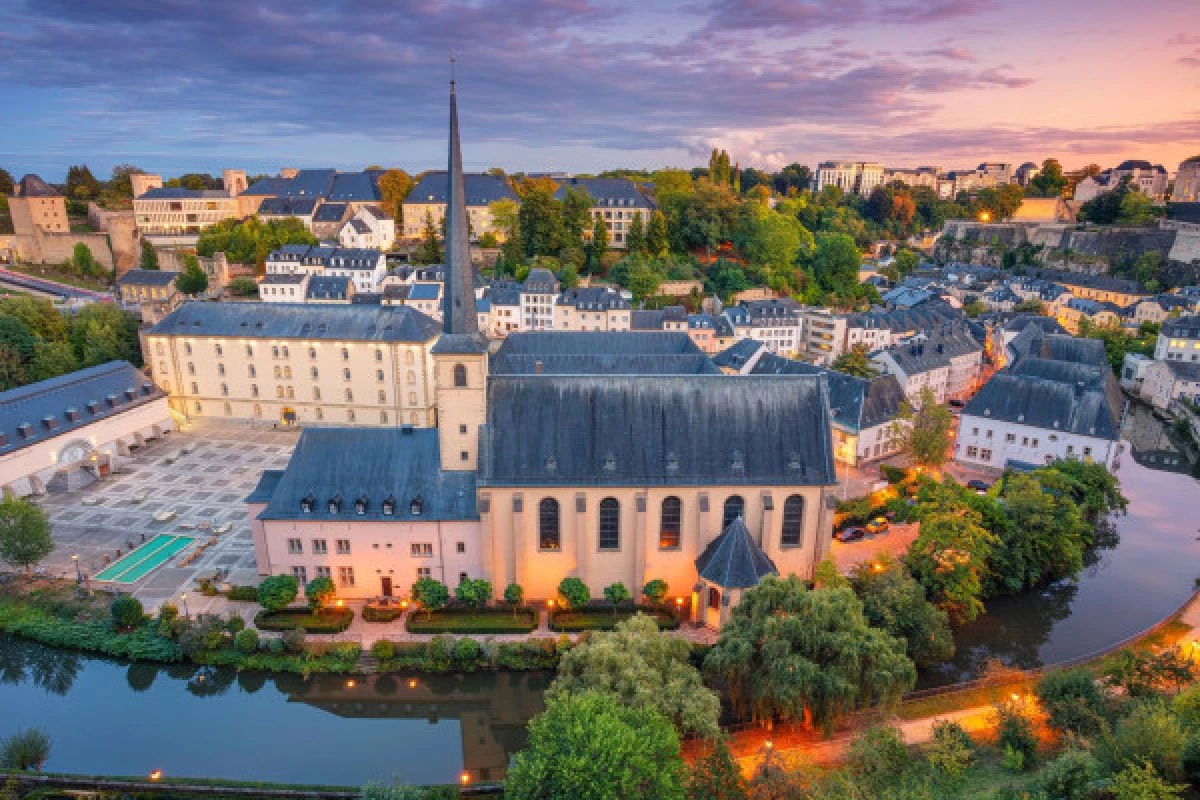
(856, 361)
(924, 431)
(642, 667)
(149, 256)
(1050, 181)
(794, 654)
(836, 262)
(894, 601)
(24, 533)
(588, 746)
(193, 280)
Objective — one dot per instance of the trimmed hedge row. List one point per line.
(483, 621)
(381, 613)
(603, 619)
(329, 620)
(464, 654)
(243, 594)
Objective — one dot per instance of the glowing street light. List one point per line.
(78, 573)
(183, 599)
(985, 216)
(464, 778)
(156, 775)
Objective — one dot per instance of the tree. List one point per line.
(1142, 782)
(656, 591)
(101, 332)
(975, 307)
(790, 653)
(635, 239)
(906, 261)
(540, 220)
(576, 206)
(894, 601)
(319, 592)
(473, 592)
(586, 746)
(126, 612)
(1136, 209)
(1072, 700)
(598, 245)
(24, 533)
(25, 750)
(856, 361)
(193, 280)
(83, 260)
(1049, 182)
(573, 593)
(950, 555)
(81, 184)
(514, 594)
(243, 286)
(642, 667)
(249, 241)
(51, 359)
(6, 182)
(430, 251)
(656, 235)
(924, 432)
(277, 592)
(149, 259)
(716, 776)
(836, 262)
(1150, 734)
(394, 186)
(1045, 537)
(616, 594)
(430, 594)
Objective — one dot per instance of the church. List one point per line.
(607, 456)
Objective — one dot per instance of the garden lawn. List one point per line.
(603, 619)
(484, 620)
(327, 620)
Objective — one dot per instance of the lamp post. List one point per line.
(183, 599)
(78, 573)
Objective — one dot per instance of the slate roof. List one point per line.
(1184, 370)
(358, 187)
(267, 187)
(461, 343)
(1044, 403)
(179, 193)
(540, 281)
(328, 287)
(1140, 164)
(298, 321)
(934, 350)
(1182, 327)
(359, 225)
(282, 278)
(592, 342)
(309, 183)
(425, 291)
(855, 403)
(738, 354)
(594, 298)
(698, 430)
(734, 560)
(33, 186)
(901, 320)
(608, 192)
(1022, 321)
(480, 189)
(289, 206)
(1059, 346)
(267, 482)
(374, 464)
(1101, 282)
(603, 364)
(147, 277)
(46, 409)
(330, 212)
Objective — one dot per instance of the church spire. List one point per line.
(459, 303)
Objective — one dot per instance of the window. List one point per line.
(187, 348)
(548, 533)
(989, 433)
(320, 547)
(314, 372)
(346, 374)
(345, 576)
(1035, 442)
(672, 513)
(460, 375)
(300, 574)
(610, 524)
(295, 547)
(422, 550)
(195, 388)
(462, 428)
(972, 452)
(424, 572)
(735, 507)
(460, 548)
(793, 521)
(252, 372)
(312, 353)
(379, 375)
(345, 354)
(463, 455)
(382, 396)
(1087, 451)
(985, 454)
(285, 351)
(324, 572)
(225, 390)
(250, 350)
(1010, 438)
(350, 415)
(383, 418)
(349, 395)
(220, 369)
(191, 368)
(343, 547)
(274, 352)
(379, 355)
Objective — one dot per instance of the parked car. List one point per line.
(878, 526)
(850, 534)
(979, 486)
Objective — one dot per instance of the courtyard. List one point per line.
(198, 476)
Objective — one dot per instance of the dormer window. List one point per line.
(389, 506)
(360, 505)
(551, 464)
(672, 463)
(416, 506)
(737, 461)
(335, 504)
(610, 463)
(308, 503)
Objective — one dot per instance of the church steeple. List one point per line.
(459, 304)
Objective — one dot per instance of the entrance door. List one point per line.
(712, 611)
(288, 417)
(386, 588)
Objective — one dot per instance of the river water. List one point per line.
(104, 717)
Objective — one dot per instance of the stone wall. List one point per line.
(44, 247)
(123, 238)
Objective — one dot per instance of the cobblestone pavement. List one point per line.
(202, 474)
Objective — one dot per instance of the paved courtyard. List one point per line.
(202, 474)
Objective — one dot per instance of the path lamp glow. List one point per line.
(78, 573)
(183, 599)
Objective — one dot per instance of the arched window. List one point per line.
(548, 537)
(735, 507)
(460, 375)
(672, 514)
(793, 521)
(610, 524)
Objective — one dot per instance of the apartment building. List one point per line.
(617, 201)
(365, 267)
(428, 199)
(594, 308)
(369, 229)
(1179, 340)
(858, 177)
(777, 323)
(1149, 179)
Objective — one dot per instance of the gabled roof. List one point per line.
(1042, 402)
(607, 192)
(298, 321)
(377, 464)
(480, 189)
(1182, 327)
(593, 342)
(690, 430)
(1022, 321)
(33, 186)
(1033, 342)
(357, 187)
(734, 560)
(330, 212)
(289, 206)
(594, 298)
(600, 353)
(738, 354)
(856, 404)
(328, 287)
(50, 408)
(147, 277)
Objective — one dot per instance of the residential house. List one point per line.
(370, 228)
(149, 292)
(427, 200)
(778, 323)
(595, 308)
(1179, 340)
(284, 287)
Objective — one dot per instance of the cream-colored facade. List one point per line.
(168, 212)
(1187, 182)
(480, 216)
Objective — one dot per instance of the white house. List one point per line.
(366, 268)
(64, 432)
(777, 323)
(1164, 381)
(368, 229)
(945, 360)
(1179, 340)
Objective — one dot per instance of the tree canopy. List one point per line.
(24, 533)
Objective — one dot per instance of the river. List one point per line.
(104, 717)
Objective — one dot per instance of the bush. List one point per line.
(275, 646)
(277, 592)
(573, 593)
(1071, 775)
(293, 640)
(25, 750)
(474, 593)
(243, 594)
(656, 591)
(599, 619)
(439, 650)
(1186, 706)
(320, 592)
(383, 650)
(1072, 701)
(204, 633)
(382, 613)
(430, 594)
(466, 652)
(327, 620)
(246, 641)
(879, 756)
(951, 752)
(1190, 759)
(1150, 734)
(234, 623)
(892, 475)
(1015, 734)
(126, 612)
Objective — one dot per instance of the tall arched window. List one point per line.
(460, 375)
(610, 524)
(793, 521)
(548, 537)
(672, 515)
(735, 507)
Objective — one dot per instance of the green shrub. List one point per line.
(1149, 734)
(327, 620)
(879, 756)
(481, 621)
(246, 640)
(893, 475)
(1015, 734)
(275, 646)
(474, 592)
(573, 593)
(320, 592)
(602, 619)
(466, 652)
(382, 613)
(242, 594)
(1190, 759)
(293, 640)
(126, 612)
(1072, 701)
(25, 750)
(383, 650)
(439, 650)
(656, 591)
(1186, 706)
(234, 623)
(277, 592)
(951, 752)
(1071, 775)
(201, 634)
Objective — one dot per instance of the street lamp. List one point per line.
(78, 573)
(183, 599)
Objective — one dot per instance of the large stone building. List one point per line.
(1187, 182)
(852, 177)
(617, 201)
(41, 230)
(427, 200)
(606, 456)
(1149, 179)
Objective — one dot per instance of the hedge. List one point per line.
(438, 655)
(382, 613)
(595, 618)
(484, 620)
(141, 644)
(243, 594)
(336, 658)
(328, 620)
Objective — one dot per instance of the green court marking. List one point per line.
(155, 560)
(141, 561)
(114, 570)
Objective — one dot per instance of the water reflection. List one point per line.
(48, 669)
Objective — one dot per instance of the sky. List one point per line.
(586, 85)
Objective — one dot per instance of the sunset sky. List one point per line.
(584, 85)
